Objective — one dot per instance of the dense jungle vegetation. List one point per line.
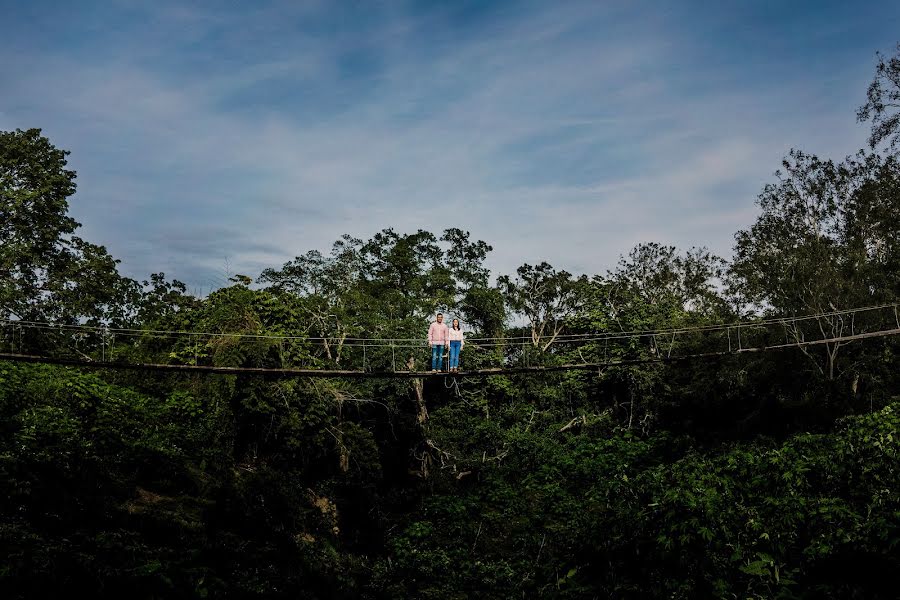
(771, 475)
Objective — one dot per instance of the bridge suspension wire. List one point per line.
(104, 346)
(395, 342)
(487, 372)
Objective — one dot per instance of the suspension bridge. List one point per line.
(93, 346)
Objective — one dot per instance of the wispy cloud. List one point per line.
(558, 133)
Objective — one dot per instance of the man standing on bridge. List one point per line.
(437, 339)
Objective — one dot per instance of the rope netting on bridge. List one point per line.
(285, 354)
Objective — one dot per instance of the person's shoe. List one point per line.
(434, 370)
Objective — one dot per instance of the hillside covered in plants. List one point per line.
(765, 475)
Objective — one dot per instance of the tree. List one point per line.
(826, 239)
(465, 259)
(547, 298)
(882, 105)
(47, 272)
(408, 271)
(327, 290)
(162, 301)
(654, 287)
(666, 287)
(481, 305)
(872, 223)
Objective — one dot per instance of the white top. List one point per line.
(456, 335)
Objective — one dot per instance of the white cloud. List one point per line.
(548, 140)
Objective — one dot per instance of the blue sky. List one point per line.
(217, 137)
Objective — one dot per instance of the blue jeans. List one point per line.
(437, 357)
(455, 347)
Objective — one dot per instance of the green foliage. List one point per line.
(602, 511)
(765, 477)
(545, 297)
(882, 102)
(47, 272)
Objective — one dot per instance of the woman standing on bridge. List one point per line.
(457, 341)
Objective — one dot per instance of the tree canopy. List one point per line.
(771, 475)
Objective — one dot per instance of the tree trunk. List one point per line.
(418, 386)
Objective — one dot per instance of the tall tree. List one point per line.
(409, 272)
(327, 290)
(825, 240)
(481, 305)
(656, 287)
(882, 105)
(547, 298)
(47, 272)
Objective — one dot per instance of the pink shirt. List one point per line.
(437, 334)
